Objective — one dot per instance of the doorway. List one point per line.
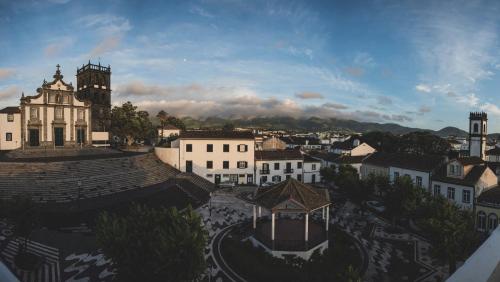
(217, 178)
(34, 137)
(58, 136)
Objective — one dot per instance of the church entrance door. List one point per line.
(34, 138)
(58, 136)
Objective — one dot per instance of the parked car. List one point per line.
(376, 205)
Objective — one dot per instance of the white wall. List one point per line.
(279, 172)
(412, 173)
(10, 127)
(308, 172)
(168, 155)
(458, 193)
(199, 156)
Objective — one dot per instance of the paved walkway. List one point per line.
(393, 256)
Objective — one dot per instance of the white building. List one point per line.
(352, 147)
(311, 170)
(278, 165)
(10, 128)
(419, 168)
(218, 156)
(55, 117)
(462, 180)
(168, 131)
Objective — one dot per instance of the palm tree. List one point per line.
(162, 116)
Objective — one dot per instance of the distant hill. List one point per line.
(452, 131)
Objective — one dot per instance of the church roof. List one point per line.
(294, 195)
(10, 110)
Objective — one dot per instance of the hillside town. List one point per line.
(262, 140)
(285, 192)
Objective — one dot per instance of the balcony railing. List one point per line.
(288, 170)
(264, 171)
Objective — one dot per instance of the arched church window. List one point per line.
(481, 221)
(492, 221)
(484, 127)
(476, 128)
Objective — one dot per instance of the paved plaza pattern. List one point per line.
(391, 256)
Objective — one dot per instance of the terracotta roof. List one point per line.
(426, 163)
(470, 160)
(329, 157)
(10, 110)
(469, 180)
(216, 134)
(490, 196)
(309, 159)
(495, 151)
(349, 159)
(278, 155)
(305, 196)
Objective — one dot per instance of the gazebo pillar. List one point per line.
(260, 211)
(327, 222)
(254, 217)
(307, 228)
(323, 212)
(272, 226)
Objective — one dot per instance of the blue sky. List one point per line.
(417, 63)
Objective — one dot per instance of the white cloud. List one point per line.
(491, 108)
(106, 24)
(364, 59)
(10, 92)
(57, 46)
(423, 88)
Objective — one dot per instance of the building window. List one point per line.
(225, 148)
(242, 164)
(8, 136)
(10, 117)
(59, 113)
(476, 128)
(299, 165)
(189, 147)
(313, 166)
(299, 177)
(225, 164)
(242, 148)
(263, 179)
(287, 176)
(466, 196)
(492, 221)
(33, 113)
(418, 181)
(396, 175)
(210, 164)
(189, 166)
(481, 221)
(210, 147)
(81, 114)
(451, 193)
(210, 175)
(276, 166)
(437, 190)
(276, 178)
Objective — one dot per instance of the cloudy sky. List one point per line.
(417, 63)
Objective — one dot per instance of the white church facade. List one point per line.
(55, 117)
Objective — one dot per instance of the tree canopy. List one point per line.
(153, 244)
(130, 124)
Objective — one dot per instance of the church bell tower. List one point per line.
(93, 84)
(478, 126)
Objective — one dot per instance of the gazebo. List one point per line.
(291, 197)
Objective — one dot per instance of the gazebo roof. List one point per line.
(292, 195)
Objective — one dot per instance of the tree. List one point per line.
(153, 244)
(162, 116)
(327, 174)
(403, 198)
(130, 124)
(176, 122)
(451, 231)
